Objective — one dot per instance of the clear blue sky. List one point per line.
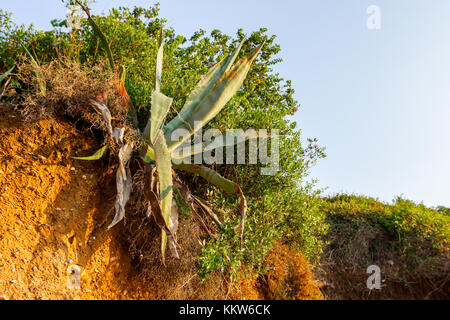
(379, 100)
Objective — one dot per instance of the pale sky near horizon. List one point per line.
(378, 100)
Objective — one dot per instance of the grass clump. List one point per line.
(289, 276)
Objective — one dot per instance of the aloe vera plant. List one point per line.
(207, 99)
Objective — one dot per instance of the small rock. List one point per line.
(80, 244)
(74, 279)
(390, 262)
(96, 271)
(72, 169)
(112, 259)
(84, 177)
(13, 281)
(3, 297)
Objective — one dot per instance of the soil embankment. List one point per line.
(54, 217)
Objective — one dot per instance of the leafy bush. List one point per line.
(411, 226)
(416, 225)
(281, 206)
(409, 242)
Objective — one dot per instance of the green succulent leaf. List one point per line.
(216, 144)
(166, 192)
(164, 169)
(168, 229)
(159, 63)
(202, 89)
(159, 109)
(96, 156)
(3, 76)
(149, 155)
(214, 100)
(160, 103)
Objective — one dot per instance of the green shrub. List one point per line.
(281, 207)
(360, 225)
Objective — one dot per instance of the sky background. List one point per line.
(378, 100)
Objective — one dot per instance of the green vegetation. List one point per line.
(408, 241)
(282, 206)
(209, 97)
(414, 229)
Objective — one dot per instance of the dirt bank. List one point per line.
(55, 211)
(54, 217)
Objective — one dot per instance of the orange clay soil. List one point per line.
(53, 217)
(54, 211)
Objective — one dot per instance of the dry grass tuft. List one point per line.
(247, 287)
(70, 88)
(289, 277)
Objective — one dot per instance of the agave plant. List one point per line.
(208, 98)
(202, 105)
